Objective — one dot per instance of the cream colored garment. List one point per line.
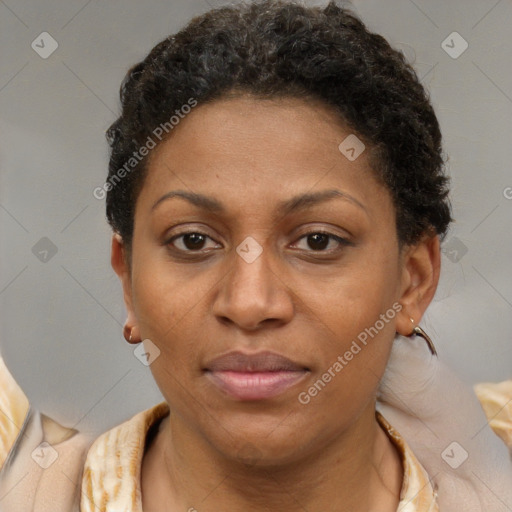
(41, 461)
(120, 452)
(496, 400)
(444, 423)
(109, 480)
(14, 408)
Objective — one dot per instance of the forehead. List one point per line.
(260, 150)
(250, 127)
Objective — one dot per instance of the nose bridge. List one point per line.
(251, 291)
(250, 279)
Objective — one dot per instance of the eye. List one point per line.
(190, 241)
(197, 242)
(318, 241)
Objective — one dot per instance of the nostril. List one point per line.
(225, 320)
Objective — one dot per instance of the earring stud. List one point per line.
(128, 334)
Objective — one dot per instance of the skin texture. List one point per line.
(304, 301)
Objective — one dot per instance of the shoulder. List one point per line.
(496, 400)
(113, 464)
(14, 409)
(40, 460)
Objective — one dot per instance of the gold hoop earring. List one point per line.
(418, 331)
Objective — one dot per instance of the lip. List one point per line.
(266, 361)
(258, 376)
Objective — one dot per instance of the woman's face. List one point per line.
(234, 262)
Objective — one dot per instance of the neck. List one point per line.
(357, 470)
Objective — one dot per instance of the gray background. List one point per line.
(61, 319)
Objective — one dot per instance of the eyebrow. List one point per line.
(284, 208)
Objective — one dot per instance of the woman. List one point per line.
(277, 197)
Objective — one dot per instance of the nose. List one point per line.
(252, 294)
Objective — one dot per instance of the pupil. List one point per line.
(193, 240)
(318, 241)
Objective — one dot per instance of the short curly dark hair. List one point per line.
(273, 49)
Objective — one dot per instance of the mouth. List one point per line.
(257, 376)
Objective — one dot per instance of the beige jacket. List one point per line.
(48, 468)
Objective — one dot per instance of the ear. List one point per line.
(420, 276)
(121, 265)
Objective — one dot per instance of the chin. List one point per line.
(257, 440)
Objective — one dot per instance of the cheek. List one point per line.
(353, 363)
(163, 293)
(353, 298)
(171, 309)
(155, 304)
(355, 315)
(340, 397)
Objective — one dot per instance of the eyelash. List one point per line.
(341, 241)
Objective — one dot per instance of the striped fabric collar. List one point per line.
(112, 471)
